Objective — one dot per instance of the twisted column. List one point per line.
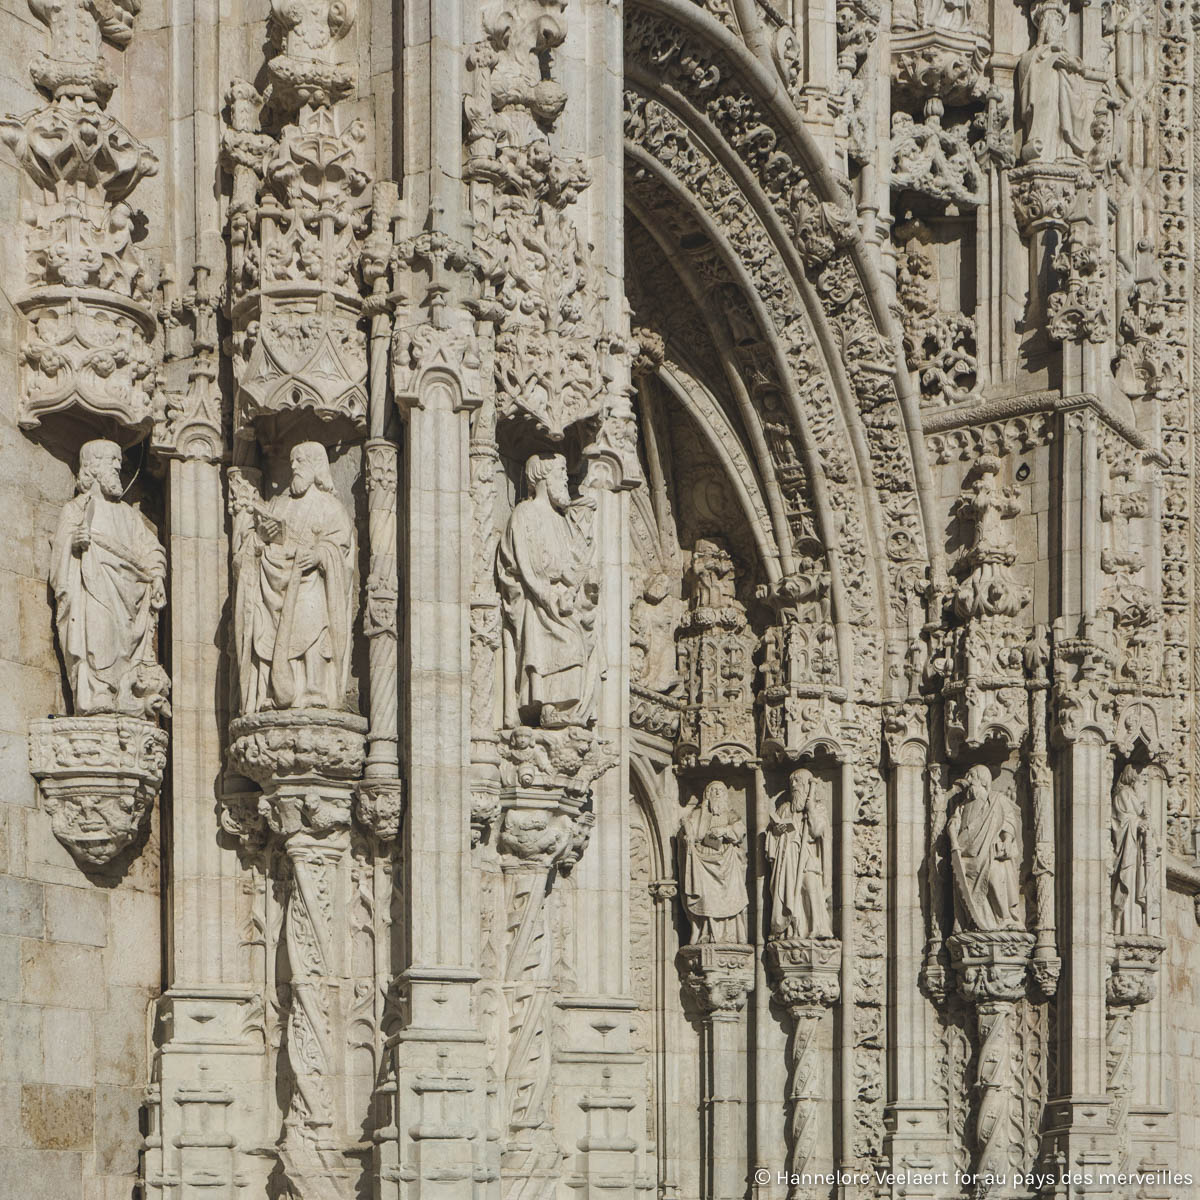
(991, 970)
(804, 977)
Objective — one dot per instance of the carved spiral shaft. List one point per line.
(381, 624)
(1120, 1076)
(527, 1073)
(804, 1092)
(308, 936)
(995, 1081)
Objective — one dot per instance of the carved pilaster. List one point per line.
(306, 762)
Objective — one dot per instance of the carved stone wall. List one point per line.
(596, 599)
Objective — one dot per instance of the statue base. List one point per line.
(1133, 969)
(291, 745)
(992, 964)
(720, 975)
(98, 776)
(805, 972)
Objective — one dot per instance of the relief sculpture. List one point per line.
(985, 855)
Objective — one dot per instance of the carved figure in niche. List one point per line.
(712, 575)
(985, 854)
(548, 597)
(1050, 96)
(799, 846)
(943, 14)
(712, 841)
(107, 572)
(1134, 853)
(293, 570)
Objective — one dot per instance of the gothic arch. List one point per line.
(733, 189)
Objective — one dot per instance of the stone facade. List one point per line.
(597, 599)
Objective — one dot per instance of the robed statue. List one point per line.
(1134, 854)
(799, 846)
(107, 572)
(985, 855)
(293, 571)
(548, 597)
(1051, 101)
(712, 845)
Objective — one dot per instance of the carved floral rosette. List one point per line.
(1133, 969)
(98, 777)
(719, 975)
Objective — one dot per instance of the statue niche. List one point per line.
(985, 854)
(548, 595)
(712, 845)
(107, 572)
(293, 562)
(1051, 102)
(1134, 855)
(799, 847)
(99, 770)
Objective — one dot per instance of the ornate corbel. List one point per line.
(89, 348)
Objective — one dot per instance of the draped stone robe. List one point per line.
(292, 627)
(104, 597)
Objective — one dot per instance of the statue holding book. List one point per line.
(293, 559)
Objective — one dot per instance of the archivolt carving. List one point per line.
(714, 86)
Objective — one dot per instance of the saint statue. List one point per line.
(548, 597)
(712, 842)
(799, 846)
(985, 855)
(293, 567)
(712, 578)
(1133, 857)
(1051, 102)
(107, 572)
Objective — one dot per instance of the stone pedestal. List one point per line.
(98, 777)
